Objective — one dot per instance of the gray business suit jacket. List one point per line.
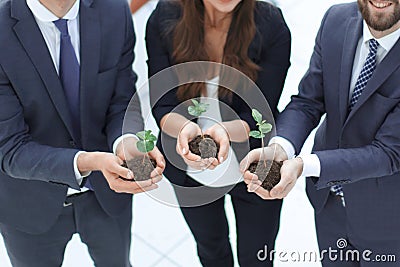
(359, 149)
(37, 145)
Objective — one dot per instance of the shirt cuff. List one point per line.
(78, 175)
(285, 144)
(119, 139)
(311, 165)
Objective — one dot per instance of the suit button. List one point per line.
(72, 143)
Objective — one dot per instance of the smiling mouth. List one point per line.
(380, 5)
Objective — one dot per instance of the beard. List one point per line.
(382, 21)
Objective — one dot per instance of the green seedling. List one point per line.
(198, 108)
(263, 127)
(146, 141)
(206, 145)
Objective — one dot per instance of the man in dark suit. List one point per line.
(65, 83)
(353, 78)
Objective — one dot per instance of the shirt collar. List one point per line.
(45, 15)
(386, 42)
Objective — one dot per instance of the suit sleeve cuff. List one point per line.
(311, 165)
(78, 175)
(285, 144)
(119, 139)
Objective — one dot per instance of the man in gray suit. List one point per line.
(66, 80)
(354, 178)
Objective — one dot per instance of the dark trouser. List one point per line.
(108, 239)
(334, 234)
(257, 224)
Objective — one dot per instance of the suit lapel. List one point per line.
(353, 35)
(32, 40)
(90, 56)
(388, 65)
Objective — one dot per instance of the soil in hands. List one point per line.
(141, 168)
(268, 172)
(204, 146)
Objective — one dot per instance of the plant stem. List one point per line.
(262, 152)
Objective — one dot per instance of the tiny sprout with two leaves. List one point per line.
(263, 126)
(198, 108)
(146, 141)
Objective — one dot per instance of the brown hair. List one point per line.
(188, 42)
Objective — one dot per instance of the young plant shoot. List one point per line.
(142, 166)
(202, 145)
(269, 171)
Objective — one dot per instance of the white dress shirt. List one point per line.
(311, 163)
(44, 18)
(228, 172)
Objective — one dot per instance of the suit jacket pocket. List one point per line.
(367, 120)
(107, 78)
(386, 100)
(380, 105)
(103, 92)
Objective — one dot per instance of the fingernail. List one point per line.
(183, 151)
(221, 159)
(250, 188)
(130, 175)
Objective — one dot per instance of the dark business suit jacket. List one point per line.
(359, 149)
(37, 145)
(270, 50)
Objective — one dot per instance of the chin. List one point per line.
(225, 6)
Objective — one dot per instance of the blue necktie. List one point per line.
(69, 72)
(362, 80)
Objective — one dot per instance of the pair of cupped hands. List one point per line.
(290, 170)
(110, 165)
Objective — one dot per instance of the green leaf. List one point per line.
(256, 134)
(141, 146)
(147, 134)
(256, 115)
(149, 146)
(192, 111)
(195, 102)
(265, 128)
(141, 135)
(152, 138)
